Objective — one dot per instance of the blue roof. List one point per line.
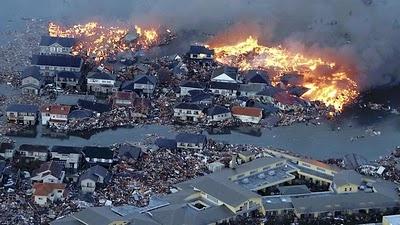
(66, 149)
(22, 108)
(63, 41)
(145, 79)
(216, 110)
(166, 143)
(69, 74)
(185, 105)
(223, 85)
(81, 114)
(191, 138)
(199, 49)
(101, 75)
(98, 152)
(94, 106)
(257, 76)
(193, 84)
(32, 71)
(269, 91)
(128, 85)
(57, 60)
(198, 97)
(232, 72)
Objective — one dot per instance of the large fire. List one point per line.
(98, 41)
(334, 88)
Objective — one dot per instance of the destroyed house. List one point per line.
(200, 53)
(127, 151)
(123, 99)
(251, 90)
(68, 80)
(80, 114)
(98, 155)
(7, 150)
(267, 95)
(56, 45)
(101, 82)
(51, 64)
(226, 74)
(54, 115)
(49, 172)
(95, 175)
(22, 114)
(70, 155)
(224, 88)
(72, 100)
(187, 86)
(34, 152)
(257, 77)
(218, 113)
(188, 112)
(32, 80)
(96, 107)
(247, 114)
(191, 141)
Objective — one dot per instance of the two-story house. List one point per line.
(144, 84)
(191, 141)
(34, 152)
(7, 150)
(49, 172)
(257, 77)
(56, 45)
(187, 86)
(94, 176)
(101, 82)
(188, 112)
(226, 74)
(31, 81)
(22, 114)
(70, 155)
(224, 88)
(46, 193)
(98, 155)
(123, 99)
(247, 114)
(218, 113)
(50, 65)
(68, 80)
(199, 52)
(54, 115)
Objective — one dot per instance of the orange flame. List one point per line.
(335, 89)
(100, 41)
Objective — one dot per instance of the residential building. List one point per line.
(56, 45)
(123, 99)
(218, 113)
(98, 155)
(34, 152)
(71, 156)
(129, 152)
(200, 53)
(201, 98)
(32, 80)
(68, 80)
(251, 90)
(101, 82)
(7, 150)
(188, 112)
(191, 141)
(247, 114)
(224, 88)
(22, 114)
(51, 64)
(46, 193)
(267, 94)
(226, 74)
(93, 106)
(287, 102)
(142, 84)
(187, 86)
(72, 100)
(80, 114)
(95, 175)
(54, 115)
(49, 172)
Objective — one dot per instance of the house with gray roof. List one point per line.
(188, 85)
(68, 80)
(56, 45)
(218, 113)
(49, 172)
(34, 152)
(51, 64)
(226, 74)
(185, 111)
(22, 114)
(99, 82)
(191, 141)
(199, 52)
(96, 175)
(70, 155)
(32, 81)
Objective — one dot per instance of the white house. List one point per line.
(247, 114)
(56, 45)
(94, 175)
(7, 150)
(45, 193)
(218, 113)
(224, 88)
(145, 84)
(199, 52)
(188, 112)
(187, 86)
(226, 74)
(54, 114)
(101, 82)
(32, 80)
(34, 152)
(49, 172)
(68, 154)
(51, 64)
(191, 141)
